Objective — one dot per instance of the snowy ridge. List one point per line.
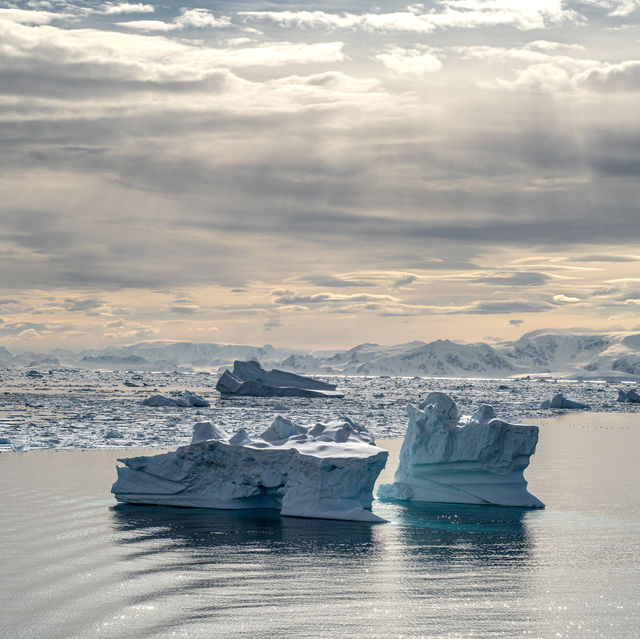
(580, 355)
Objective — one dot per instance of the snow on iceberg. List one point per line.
(326, 471)
(249, 378)
(477, 462)
(560, 401)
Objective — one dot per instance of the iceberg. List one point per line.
(325, 471)
(630, 396)
(249, 378)
(560, 401)
(185, 400)
(480, 461)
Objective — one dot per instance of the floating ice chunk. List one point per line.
(206, 431)
(250, 379)
(159, 400)
(329, 475)
(113, 434)
(482, 462)
(630, 396)
(184, 400)
(195, 400)
(560, 401)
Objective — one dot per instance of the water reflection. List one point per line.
(255, 573)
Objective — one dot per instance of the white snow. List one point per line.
(477, 462)
(326, 471)
(250, 379)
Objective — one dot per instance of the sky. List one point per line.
(317, 175)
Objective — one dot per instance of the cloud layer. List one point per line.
(165, 172)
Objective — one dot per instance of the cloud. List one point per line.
(604, 258)
(184, 309)
(330, 298)
(466, 14)
(83, 305)
(14, 329)
(188, 19)
(624, 8)
(110, 8)
(27, 17)
(514, 279)
(566, 299)
(409, 61)
(405, 280)
(624, 76)
(332, 281)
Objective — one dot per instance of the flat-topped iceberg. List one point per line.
(477, 462)
(325, 471)
(184, 400)
(249, 378)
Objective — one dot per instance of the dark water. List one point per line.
(77, 565)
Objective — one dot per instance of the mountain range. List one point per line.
(558, 353)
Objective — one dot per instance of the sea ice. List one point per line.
(326, 471)
(560, 401)
(477, 462)
(249, 378)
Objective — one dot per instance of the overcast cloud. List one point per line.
(450, 169)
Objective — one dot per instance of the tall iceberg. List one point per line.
(250, 379)
(477, 462)
(326, 471)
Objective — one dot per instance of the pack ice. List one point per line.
(249, 378)
(477, 462)
(326, 471)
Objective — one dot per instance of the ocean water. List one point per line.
(77, 565)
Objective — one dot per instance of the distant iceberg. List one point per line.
(560, 401)
(185, 400)
(249, 378)
(630, 396)
(477, 462)
(326, 471)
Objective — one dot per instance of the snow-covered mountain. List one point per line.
(558, 353)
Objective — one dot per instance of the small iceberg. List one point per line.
(560, 401)
(186, 399)
(478, 462)
(250, 379)
(629, 396)
(325, 471)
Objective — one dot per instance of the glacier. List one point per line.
(477, 461)
(324, 471)
(250, 379)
